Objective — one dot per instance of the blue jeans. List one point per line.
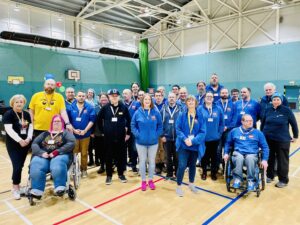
(250, 161)
(145, 152)
(186, 158)
(39, 167)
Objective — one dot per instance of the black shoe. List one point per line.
(123, 179)
(59, 193)
(135, 170)
(100, 170)
(108, 180)
(203, 176)
(214, 176)
(90, 163)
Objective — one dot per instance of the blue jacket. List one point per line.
(183, 132)
(228, 111)
(252, 107)
(87, 115)
(169, 128)
(200, 99)
(182, 105)
(275, 124)
(132, 107)
(266, 102)
(247, 142)
(159, 107)
(216, 93)
(145, 127)
(69, 104)
(214, 122)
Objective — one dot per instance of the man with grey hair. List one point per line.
(266, 101)
(162, 90)
(70, 97)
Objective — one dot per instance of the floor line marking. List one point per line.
(27, 221)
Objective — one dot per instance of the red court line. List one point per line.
(101, 204)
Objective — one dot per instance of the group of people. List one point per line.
(155, 131)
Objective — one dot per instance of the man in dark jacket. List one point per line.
(116, 130)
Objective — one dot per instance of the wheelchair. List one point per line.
(259, 176)
(73, 174)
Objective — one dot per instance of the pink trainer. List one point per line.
(151, 184)
(144, 186)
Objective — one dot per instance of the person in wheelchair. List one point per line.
(246, 142)
(51, 152)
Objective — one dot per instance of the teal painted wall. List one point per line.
(98, 72)
(251, 67)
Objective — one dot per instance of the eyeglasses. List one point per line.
(248, 121)
(56, 121)
(209, 96)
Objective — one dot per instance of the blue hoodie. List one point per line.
(132, 106)
(182, 105)
(266, 102)
(214, 122)
(228, 111)
(216, 93)
(146, 126)
(251, 107)
(247, 142)
(183, 132)
(87, 115)
(169, 130)
(200, 99)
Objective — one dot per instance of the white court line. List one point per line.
(98, 212)
(296, 171)
(6, 159)
(10, 210)
(27, 221)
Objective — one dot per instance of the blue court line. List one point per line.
(224, 208)
(294, 152)
(213, 217)
(202, 189)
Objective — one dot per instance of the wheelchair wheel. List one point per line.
(228, 176)
(31, 202)
(72, 192)
(263, 180)
(76, 173)
(257, 192)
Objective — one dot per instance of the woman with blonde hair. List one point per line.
(18, 127)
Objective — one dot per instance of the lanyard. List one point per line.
(245, 105)
(112, 110)
(80, 111)
(145, 113)
(245, 133)
(209, 111)
(200, 97)
(225, 108)
(47, 102)
(21, 121)
(129, 105)
(53, 137)
(172, 114)
(191, 124)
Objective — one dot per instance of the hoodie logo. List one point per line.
(251, 136)
(228, 109)
(153, 118)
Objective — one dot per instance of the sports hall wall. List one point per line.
(250, 67)
(98, 72)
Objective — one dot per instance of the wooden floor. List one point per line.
(126, 204)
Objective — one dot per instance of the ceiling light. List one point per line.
(188, 25)
(17, 7)
(276, 6)
(93, 26)
(147, 10)
(178, 21)
(60, 18)
(120, 33)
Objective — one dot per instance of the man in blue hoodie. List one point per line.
(201, 90)
(246, 141)
(214, 87)
(82, 117)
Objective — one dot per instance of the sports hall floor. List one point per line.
(119, 203)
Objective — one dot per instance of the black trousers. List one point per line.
(90, 151)
(115, 151)
(279, 151)
(17, 155)
(171, 157)
(210, 156)
(132, 152)
(100, 150)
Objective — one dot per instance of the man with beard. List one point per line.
(82, 117)
(246, 106)
(44, 105)
(227, 106)
(183, 93)
(214, 87)
(116, 128)
(70, 97)
(201, 89)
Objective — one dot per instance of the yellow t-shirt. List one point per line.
(45, 106)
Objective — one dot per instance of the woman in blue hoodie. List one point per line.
(190, 131)
(146, 126)
(214, 118)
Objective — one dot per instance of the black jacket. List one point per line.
(114, 128)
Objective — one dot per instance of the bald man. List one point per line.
(44, 105)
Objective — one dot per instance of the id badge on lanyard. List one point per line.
(51, 142)
(23, 131)
(114, 119)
